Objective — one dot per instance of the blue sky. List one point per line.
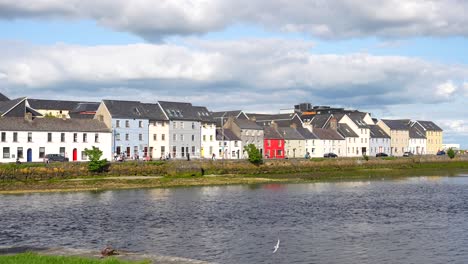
(393, 59)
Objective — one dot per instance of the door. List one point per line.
(75, 154)
(29, 155)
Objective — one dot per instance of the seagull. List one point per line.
(277, 246)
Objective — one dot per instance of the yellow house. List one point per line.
(399, 134)
(433, 133)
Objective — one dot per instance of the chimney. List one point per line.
(28, 117)
(293, 125)
(274, 125)
(333, 123)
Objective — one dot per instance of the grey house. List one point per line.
(248, 131)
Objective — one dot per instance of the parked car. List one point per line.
(407, 154)
(330, 155)
(440, 153)
(55, 158)
(381, 154)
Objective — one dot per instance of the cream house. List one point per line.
(433, 134)
(399, 134)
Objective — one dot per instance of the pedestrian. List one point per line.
(213, 157)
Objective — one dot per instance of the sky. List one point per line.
(392, 58)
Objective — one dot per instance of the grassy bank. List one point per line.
(32, 258)
(75, 177)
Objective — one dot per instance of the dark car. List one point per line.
(330, 155)
(407, 154)
(381, 154)
(440, 153)
(55, 158)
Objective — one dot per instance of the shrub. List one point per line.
(95, 163)
(255, 157)
(451, 153)
(365, 157)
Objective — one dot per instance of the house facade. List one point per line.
(229, 146)
(358, 122)
(417, 141)
(31, 139)
(399, 135)
(329, 141)
(379, 141)
(273, 143)
(208, 132)
(248, 131)
(310, 141)
(294, 142)
(433, 134)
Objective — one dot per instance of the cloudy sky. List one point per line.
(393, 58)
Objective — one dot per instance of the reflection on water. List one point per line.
(412, 220)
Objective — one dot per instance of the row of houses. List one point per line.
(32, 128)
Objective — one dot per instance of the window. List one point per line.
(182, 150)
(62, 137)
(236, 144)
(83, 156)
(15, 136)
(75, 137)
(62, 151)
(96, 138)
(193, 137)
(127, 137)
(29, 136)
(85, 137)
(155, 137)
(140, 123)
(140, 137)
(3, 137)
(182, 137)
(163, 137)
(211, 137)
(49, 137)
(193, 125)
(204, 137)
(279, 152)
(181, 124)
(174, 151)
(193, 150)
(127, 123)
(211, 150)
(19, 153)
(6, 152)
(117, 136)
(41, 152)
(163, 151)
(117, 123)
(268, 143)
(174, 125)
(280, 142)
(174, 137)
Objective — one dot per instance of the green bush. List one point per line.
(451, 153)
(95, 163)
(365, 157)
(255, 157)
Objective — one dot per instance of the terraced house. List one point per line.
(399, 134)
(433, 135)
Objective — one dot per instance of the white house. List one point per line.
(417, 141)
(329, 141)
(229, 146)
(379, 141)
(30, 139)
(359, 122)
(208, 132)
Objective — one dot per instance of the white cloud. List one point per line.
(446, 89)
(328, 19)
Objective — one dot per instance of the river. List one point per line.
(407, 220)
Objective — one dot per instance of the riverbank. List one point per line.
(66, 177)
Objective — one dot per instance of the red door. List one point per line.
(75, 155)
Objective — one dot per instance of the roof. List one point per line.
(52, 125)
(416, 133)
(377, 132)
(346, 131)
(85, 107)
(305, 133)
(358, 119)
(429, 125)
(247, 124)
(233, 113)
(320, 120)
(3, 98)
(290, 133)
(327, 134)
(398, 124)
(228, 135)
(271, 133)
(204, 115)
(153, 112)
(179, 111)
(6, 106)
(55, 104)
(125, 109)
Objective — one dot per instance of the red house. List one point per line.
(273, 143)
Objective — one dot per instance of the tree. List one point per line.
(96, 164)
(255, 156)
(451, 153)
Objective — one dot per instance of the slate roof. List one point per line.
(55, 104)
(429, 125)
(3, 98)
(346, 131)
(416, 133)
(247, 124)
(125, 109)
(52, 125)
(377, 132)
(305, 133)
(327, 134)
(179, 111)
(290, 133)
(204, 115)
(153, 112)
(226, 114)
(271, 133)
(320, 120)
(85, 107)
(5, 106)
(356, 117)
(228, 135)
(397, 124)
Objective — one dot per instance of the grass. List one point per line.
(32, 258)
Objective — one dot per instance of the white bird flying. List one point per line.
(277, 246)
